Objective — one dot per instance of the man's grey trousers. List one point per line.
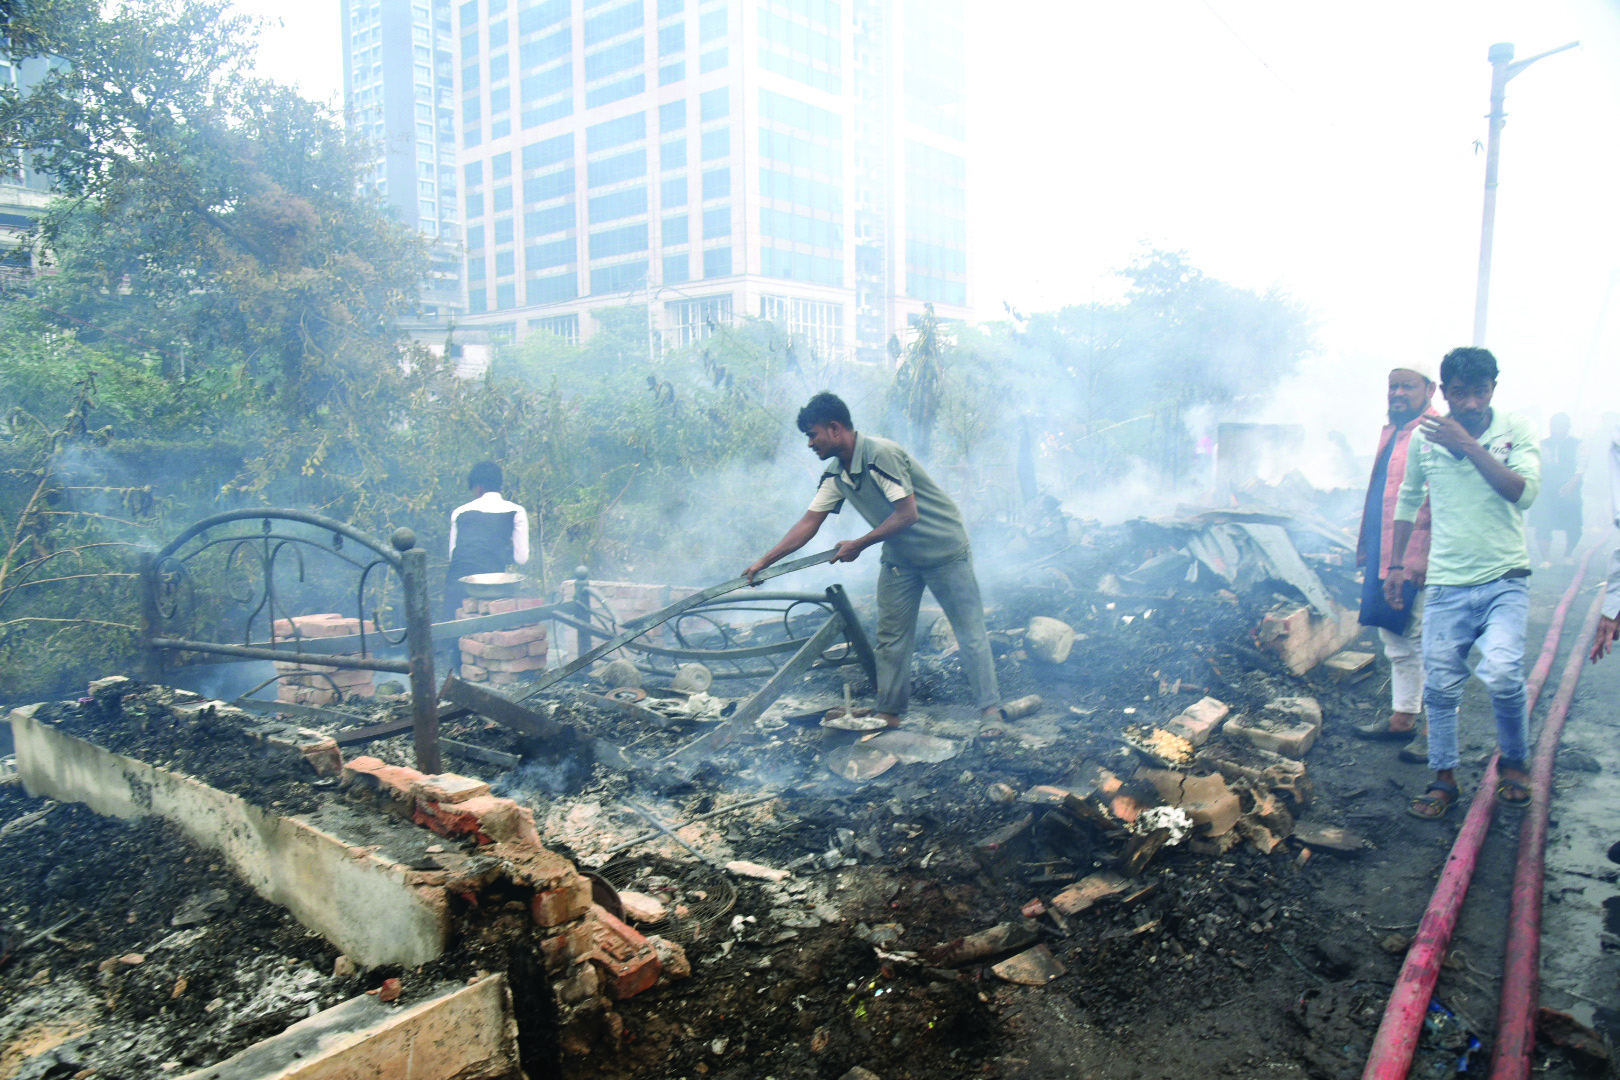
(899, 595)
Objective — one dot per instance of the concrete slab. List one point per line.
(374, 909)
(459, 1033)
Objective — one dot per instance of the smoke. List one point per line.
(538, 780)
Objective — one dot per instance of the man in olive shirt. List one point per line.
(1480, 470)
(924, 544)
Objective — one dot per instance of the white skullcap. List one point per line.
(1421, 367)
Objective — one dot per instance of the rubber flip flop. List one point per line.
(1381, 732)
(1504, 785)
(1520, 802)
(1428, 800)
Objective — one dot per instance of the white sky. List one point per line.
(1325, 149)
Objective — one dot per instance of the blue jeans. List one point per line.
(1455, 618)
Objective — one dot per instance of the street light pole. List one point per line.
(1503, 68)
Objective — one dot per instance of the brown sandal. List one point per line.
(1430, 806)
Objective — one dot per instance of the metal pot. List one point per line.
(491, 586)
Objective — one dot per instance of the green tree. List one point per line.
(207, 221)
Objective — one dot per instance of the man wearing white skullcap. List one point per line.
(1411, 391)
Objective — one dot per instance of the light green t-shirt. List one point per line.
(1478, 535)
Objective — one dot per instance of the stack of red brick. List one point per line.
(591, 957)
(320, 684)
(502, 657)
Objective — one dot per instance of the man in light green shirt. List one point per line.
(1480, 470)
(925, 545)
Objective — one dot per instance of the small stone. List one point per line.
(1049, 639)
(755, 870)
(1032, 967)
(1395, 944)
(1576, 760)
(858, 1073)
(343, 968)
(389, 990)
(641, 908)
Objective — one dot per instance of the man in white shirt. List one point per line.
(486, 535)
(1608, 629)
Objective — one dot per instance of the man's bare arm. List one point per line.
(1446, 432)
(903, 516)
(1397, 572)
(801, 533)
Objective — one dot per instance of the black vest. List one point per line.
(483, 543)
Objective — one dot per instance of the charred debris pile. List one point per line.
(1143, 822)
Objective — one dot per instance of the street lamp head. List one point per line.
(1501, 52)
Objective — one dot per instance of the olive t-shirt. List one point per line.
(880, 474)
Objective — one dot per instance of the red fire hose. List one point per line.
(1516, 1020)
(1396, 1041)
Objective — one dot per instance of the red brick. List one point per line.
(553, 907)
(471, 645)
(627, 961)
(538, 867)
(449, 788)
(474, 673)
(538, 648)
(504, 652)
(513, 603)
(483, 817)
(504, 678)
(521, 663)
(394, 780)
(562, 949)
(521, 635)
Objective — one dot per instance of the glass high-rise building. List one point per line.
(799, 160)
(399, 84)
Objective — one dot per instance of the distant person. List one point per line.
(1480, 470)
(1559, 508)
(1608, 628)
(1411, 393)
(486, 535)
(924, 544)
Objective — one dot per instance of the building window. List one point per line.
(563, 326)
(714, 104)
(716, 184)
(553, 289)
(623, 277)
(717, 262)
(675, 231)
(677, 269)
(556, 219)
(717, 222)
(615, 91)
(621, 241)
(626, 129)
(817, 322)
(690, 321)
